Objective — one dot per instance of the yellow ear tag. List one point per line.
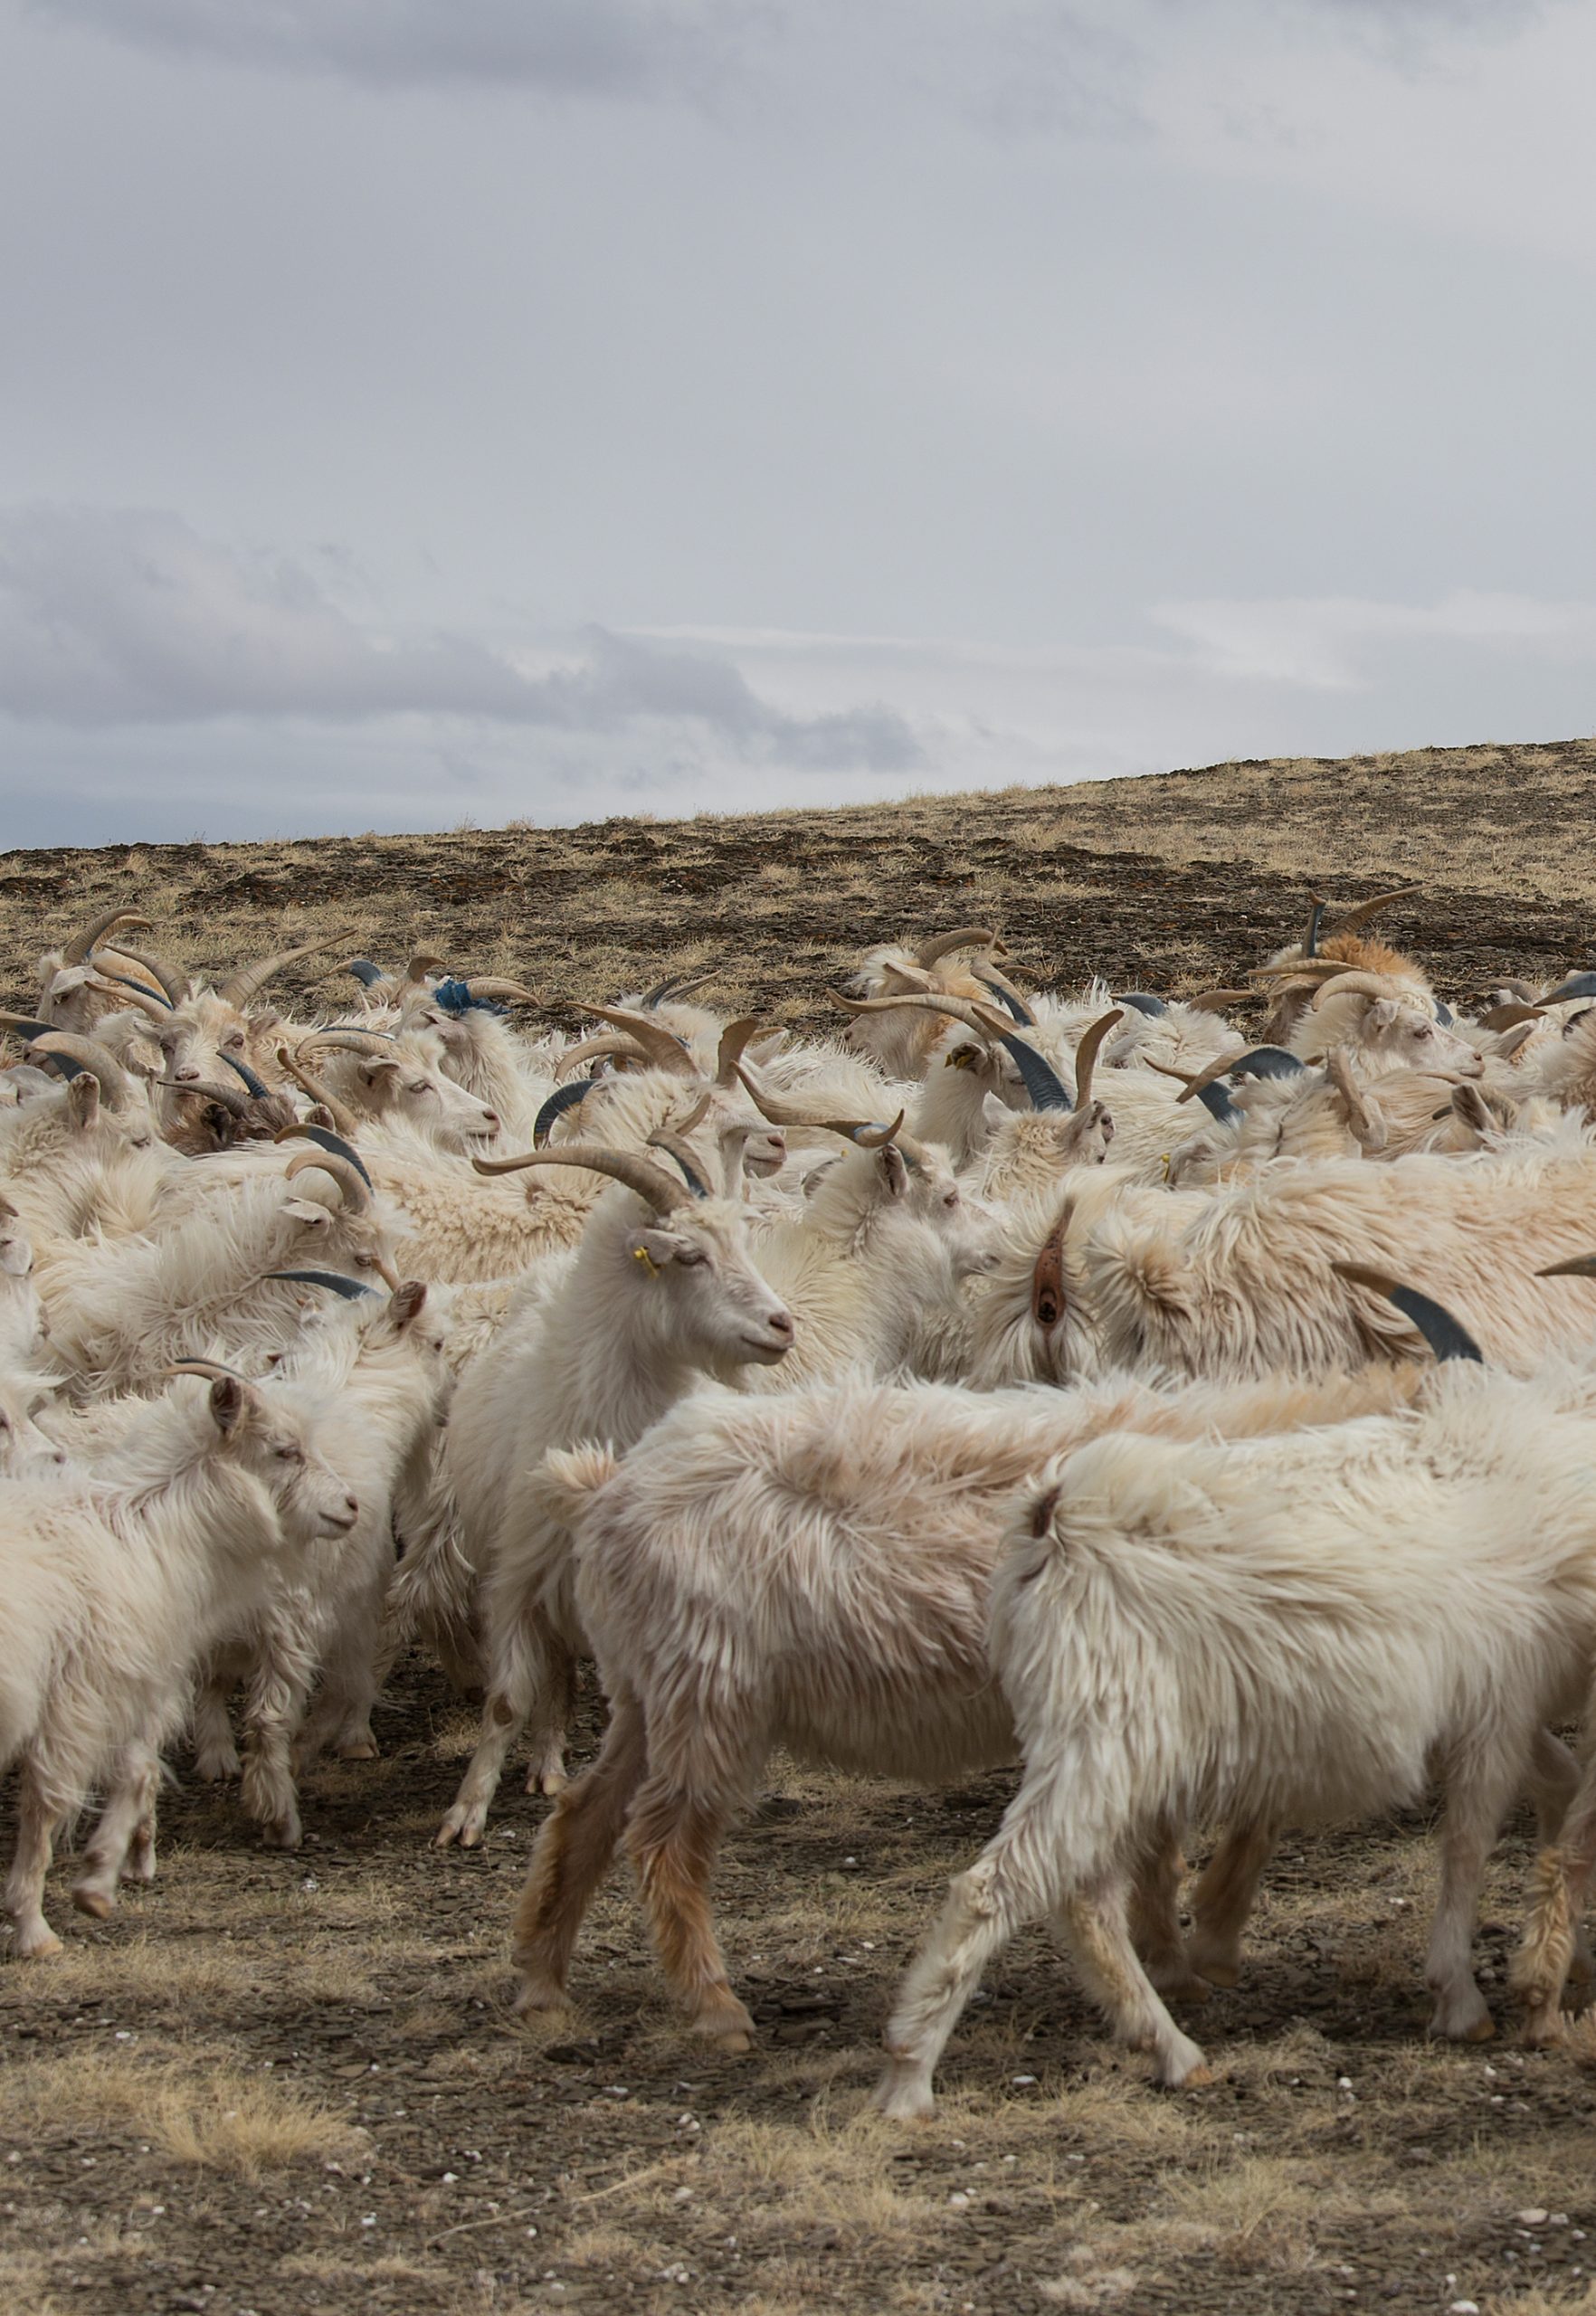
(641, 1254)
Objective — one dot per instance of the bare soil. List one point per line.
(283, 2083)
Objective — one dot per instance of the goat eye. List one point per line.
(290, 1455)
(691, 1254)
(420, 1086)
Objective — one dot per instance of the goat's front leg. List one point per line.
(573, 1852)
(38, 1819)
(1478, 1797)
(1155, 1921)
(215, 1756)
(1553, 1783)
(1553, 1932)
(528, 1659)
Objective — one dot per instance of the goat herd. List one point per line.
(1013, 1376)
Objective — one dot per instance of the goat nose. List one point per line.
(781, 1325)
(491, 1118)
(351, 1506)
(188, 1074)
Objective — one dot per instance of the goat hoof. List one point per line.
(1182, 1986)
(1197, 2077)
(94, 1899)
(363, 1749)
(1544, 2027)
(282, 1834)
(39, 1945)
(551, 1781)
(735, 2044)
(1216, 1970)
(905, 2099)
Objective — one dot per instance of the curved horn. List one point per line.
(421, 965)
(1576, 985)
(686, 1157)
(210, 1367)
(366, 1041)
(115, 1084)
(867, 1136)
(1572, 1266)
(349, 1175)
(1354, 984)
(334, 1143)
(334, 1281)
(1364, 910)
(516, 990)
(82, 945)
(968, 936)
(174, 985)
(154, 1009)
(235, 1104)
(1508, 1017)
(629, 1166)
(1444, 1335)
(1258, 1061)
(957, 1008)
(735, 1041)
(1508, 1044)
(1217, 1103)
(364, 972)
(1043, 1082)
(1087, 1051)
(663, 1050)
(253, 1084)
(242, 988)
(563, 1099)
(22, 1025)
(1310, 939)
(670, 993)
(1215, 1001)
(1007, 995)
(1140, 1002)
(596, 1049)
(342, 1117)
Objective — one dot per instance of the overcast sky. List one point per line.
(416, 411)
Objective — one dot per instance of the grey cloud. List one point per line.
(616, 48)
(128, 617)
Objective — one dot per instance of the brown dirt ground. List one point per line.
(277, 2084)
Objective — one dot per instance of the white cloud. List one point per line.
(126, 616)
(1323, 642)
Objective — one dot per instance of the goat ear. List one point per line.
(894, 1171)
(1383, 1013)
(405, 1306)
(305, 1210)
(656, 1247)
(83, 1101)
(228, 1403)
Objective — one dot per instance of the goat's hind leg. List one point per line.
(1092, 1923)
(574, 1849)
(39, 1816)
(1223, 1900)
(1155, 1922)
(672, 1834)
(1480, 1787)
(121, 1847)
(1553, 1930)
(525, 1661)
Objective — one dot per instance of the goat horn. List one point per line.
(735, 1041)
(629, 1166)
(342, 1117)
(1354, 984)
(686, 1157)
(174, 985)
(353, 1186)
(1043, 1082)
(1140, 1002)
(115, 1084)
(1508, 1044)
(1447, 1338)
(516, 990)
(867, 1134)
(366, 1041)
(242, 988)
(1576, 985)
(1364, 910)
(237, 1105)
(670, 993)
(421, 965)
(1508, 1017)
(335, 1144)
(253, 1084)
(1214, 1000)
(563, 1099)
(22, 1025)
(1310, 939)
(351, 1290)
(82, 945)
(1573, 1266)
(594, 1049)
(958, 1008)
(1087, 1051)
(364, 970)
(968, 937)
(1007, 995)
(210, 1367)
(154, 1009)
(663, 1050)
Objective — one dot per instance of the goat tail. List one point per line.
(566, 1477)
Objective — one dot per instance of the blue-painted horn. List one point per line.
(125, 981)
(1046, 1088)
(338, 1147)
(252, 1084)
(1218, 1103)
(563, 1099)
(364, 972)
(1011, 1005)
(1447, 1338)
(1265, 1061)
(1576, 985)
(334, 1281)
(1151, 1006)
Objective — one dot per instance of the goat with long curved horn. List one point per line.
(353, 1186)
(342, 1117)
(570, 1097)
(1363, 911)
(734, 1041)
(335, 1144)
(154, 1009)
(686, 1157)
(1446, 1336)
(350, 1289)
(612, 1044)
(174, 986)
(671, 993)
(116, 1087)
(1087, 1050)
(242, 988)
(639, 1173)
(968, 936)
(1310, 939)
(81, 946)
(663, 1050)
(228, 1097)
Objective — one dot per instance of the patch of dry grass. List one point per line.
(197, 2107)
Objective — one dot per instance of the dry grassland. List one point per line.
(284, 2084)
